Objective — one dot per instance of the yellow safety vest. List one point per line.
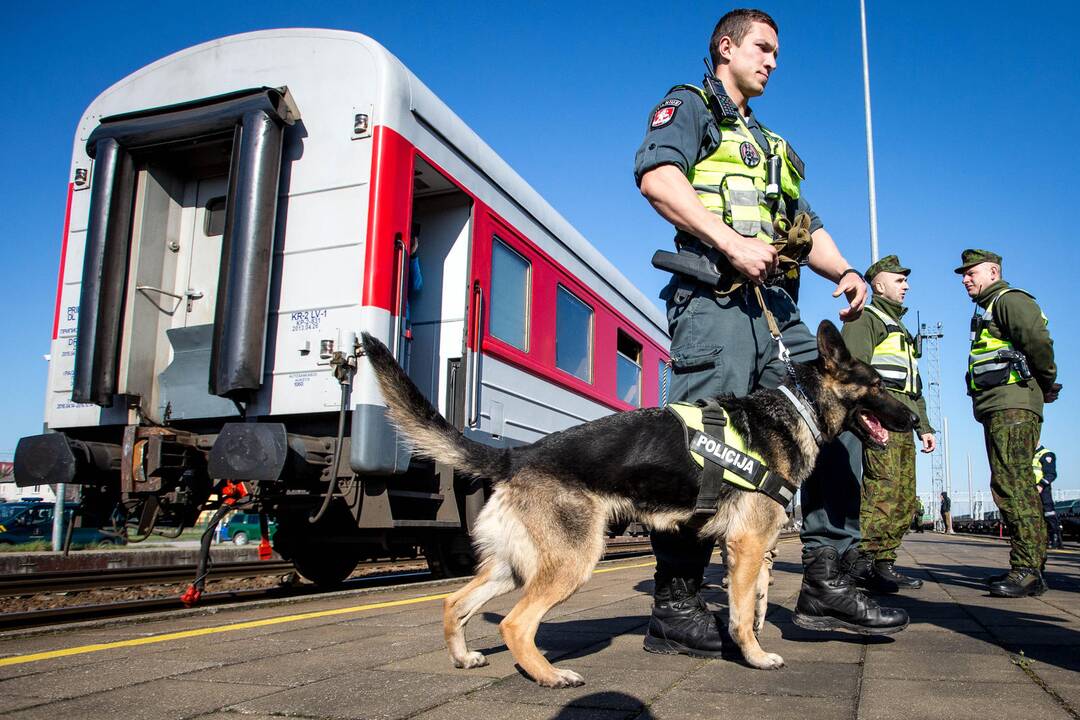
(1036, 464)
(986, 368)
(741, 457)
(731, 181)
(894, 357)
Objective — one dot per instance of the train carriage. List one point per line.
(237, 213)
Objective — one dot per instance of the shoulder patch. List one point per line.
(664, 114)
(796, 161)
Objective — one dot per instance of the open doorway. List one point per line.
(437, 286)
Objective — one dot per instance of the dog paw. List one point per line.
(766, 661)
(471, 660)
(563, 679)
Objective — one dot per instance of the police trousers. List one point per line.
(722, 345)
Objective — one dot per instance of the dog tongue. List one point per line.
(877, 430)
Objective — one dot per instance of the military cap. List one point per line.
(889, 263)
(971, 257)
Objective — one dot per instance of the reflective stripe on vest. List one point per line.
(728, 185)
(894, 357)
(742, 456)
(986, 367)
(1036, 464)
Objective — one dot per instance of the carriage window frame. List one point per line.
(628, 357)
(214, 216)
(496, 321)
(564, 332)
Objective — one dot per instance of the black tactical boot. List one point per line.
(1056, 541)
(1020, 582)
(829, 601)
(886, 570)
(991, 579)
(859, 566)
(680, 622)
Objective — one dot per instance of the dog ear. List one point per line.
(831, 347)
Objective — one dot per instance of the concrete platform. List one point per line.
(380, 655)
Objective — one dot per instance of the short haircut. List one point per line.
(735, 25)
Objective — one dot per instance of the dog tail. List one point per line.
(432, 437)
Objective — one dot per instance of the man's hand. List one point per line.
(1051, 395)
(751, 257)
(929, 442)
(854, 289)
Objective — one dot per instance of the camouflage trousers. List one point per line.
(888, 496)
(1011, 439)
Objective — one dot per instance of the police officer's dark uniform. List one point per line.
(721, 344)
(1044, 465)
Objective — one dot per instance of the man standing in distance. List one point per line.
(731, 187)
(1011, 374)
(878, 337)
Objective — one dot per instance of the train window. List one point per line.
(628, 369)
(215, 217)
(510, 280)
(573, 335)
(663, 385)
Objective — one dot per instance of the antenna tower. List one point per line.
(930, 370)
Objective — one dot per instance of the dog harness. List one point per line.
(724, 457)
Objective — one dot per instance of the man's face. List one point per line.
(979, 277)
(891, 286)
(752, 62)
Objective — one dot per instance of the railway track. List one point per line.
(54, 582)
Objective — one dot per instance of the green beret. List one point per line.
(972, 257)
(889, 263)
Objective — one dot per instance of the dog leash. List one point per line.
(800, 401)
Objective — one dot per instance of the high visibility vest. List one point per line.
(1036, 464)
(731, 180)
(747, 462)
(894, 357)
(986, 368)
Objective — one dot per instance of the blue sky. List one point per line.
(975, 115)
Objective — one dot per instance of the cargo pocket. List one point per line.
(695, 360)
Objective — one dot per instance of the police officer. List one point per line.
(1044, 465)
(1011, 373)
(878, 337)
(731, 187)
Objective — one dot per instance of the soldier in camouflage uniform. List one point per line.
(879, 337)
(1011, 374)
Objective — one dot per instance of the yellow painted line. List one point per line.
(98, 647)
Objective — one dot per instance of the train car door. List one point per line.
(200, 257)
(436, 287)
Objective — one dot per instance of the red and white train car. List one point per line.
(238, 213)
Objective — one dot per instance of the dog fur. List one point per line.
(543, 527)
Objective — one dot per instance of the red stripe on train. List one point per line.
(63, 260)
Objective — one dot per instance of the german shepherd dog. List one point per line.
(543, 526)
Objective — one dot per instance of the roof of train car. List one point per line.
(431, 110)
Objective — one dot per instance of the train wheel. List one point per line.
(325, 553)
(324, 564)
(450, 555)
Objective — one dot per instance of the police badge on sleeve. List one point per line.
(664, 113)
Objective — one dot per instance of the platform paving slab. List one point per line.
(964, 655)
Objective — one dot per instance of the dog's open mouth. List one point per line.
(875, 431)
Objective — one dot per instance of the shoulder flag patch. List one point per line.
(664, 114)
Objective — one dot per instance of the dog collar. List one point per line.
(805, 412)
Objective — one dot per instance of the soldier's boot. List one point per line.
(1020, 582)
(886, 570)
(828, 600)
(681, 624)
(860, 567)
(991, 579)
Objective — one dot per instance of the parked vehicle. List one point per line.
(237, 214)
(32, 522)
(243, 528)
